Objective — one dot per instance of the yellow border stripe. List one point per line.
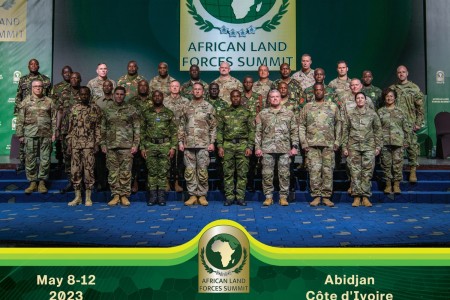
(267, 254)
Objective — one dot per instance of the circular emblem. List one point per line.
(223, 251)
(238, 11)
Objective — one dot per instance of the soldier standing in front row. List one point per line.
(235, 141)
(36, 123)
(120, 131)
(159, 139)
(276, 139)
(83, 140)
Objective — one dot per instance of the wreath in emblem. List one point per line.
(211, 270)
(7, 4)
(207, 26)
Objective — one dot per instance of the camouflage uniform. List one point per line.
(330, 94)
(141, 104)
(294, 87)
(83, 139)
(235, 133)
(197, 130)
(305, 80)
(375, 94)
(340, 85)
(396, 134)
(120, 132)
(262, 88)
(186, 88)
(55, 95)
(320, 131)
(96, 86)
(161, 84)
(219, 104)
(292, 105)
(36, 122)
(361, 137)
(410, 101)
(227, 86)
(276, 132)
(159, 135)
(103, 102)
(254, 104)
(130, 83)
(346, 100)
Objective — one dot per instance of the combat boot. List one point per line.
(397, 187)
(124, 200)
(356, 202)
(327, 202)
(349, 191)
(178, 187)
(228, 202)
(412, 175)
(388, 188)
(315, 202)
(268, 202)
(167, 185)
(31, 188)
(202, 200)
(365, 202)
(152, 198)
(42, 188)
(135, 186)
(191, 201)
(88, 200)
(161, 197)
(283, 201)
(114, 201)
(77, 200)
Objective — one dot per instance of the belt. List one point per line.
(160, 141)
(236, 141)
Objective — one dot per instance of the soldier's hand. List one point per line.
(181, 147)
(306, 149)
(134, 150)
(377, 151)
(416, 127)
(104, 149)
(335, 147)
(259, 153)
(21, 139)
(53, 138)
(211, 147)
(171, 153)
(405, 146)
(345, 152)
(144, 154)
(248, 152)
(293, 152)
(221, 152)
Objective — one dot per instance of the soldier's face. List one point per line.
(214, 90)
(283, 89)
(119, 96)
(342, 69)
(402, 74)
(194, 72)
(318, 92)
(235, 99)
(107, 87)
(132, 68)
(33, 66)
(85, 95)
(306, 62)
(75, 79)
(37, 88)
(157, 98)
(275, 99)
(319, 75)
(224, 69)
(102, 70)
(263, 72)
(367, 78)
(143, 88)
(175, 87)
(197, 91)
(248, 84)
(66, 72)
(389, 99)
(162, 70)
(285, 70)
(355, 86)
(360, 100)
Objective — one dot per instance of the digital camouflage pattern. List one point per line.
(305, 79)
(176, 106)
(375, 94)
(218, 104)
(161, 84)
(227, 86)
(339, 85)
(159, 135)
(262, 88)
(254, 104)
(24, 88)
(96, 86)
(57, 90)
(130, 83)
(69, 97)
(119, 162)
(292, 105)
(196, 171)
(330, 94)
(294, 87)
(186, 88)
(141, 104)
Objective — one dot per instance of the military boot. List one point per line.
(388, 188)
(42, 188)
(135, 186)
(397, 187)
(327, 202)
(191, 201)
(161, 197)
(167, 185)
(241, 202)
(151, 198)
(124, 200)
(365, 202)
(349, 191)
(77, 200)
(202, 200)
(178, 187)
(283, 201)
(268, 202)
(114, 201)
(31, 188)
(228, 202)
(356, 202)
(88, 200)
(412, 175)
(315, 202)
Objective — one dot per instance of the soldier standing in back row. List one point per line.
(83, 140)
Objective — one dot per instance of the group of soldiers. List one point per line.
(115, 128)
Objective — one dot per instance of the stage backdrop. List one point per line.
(25, 33)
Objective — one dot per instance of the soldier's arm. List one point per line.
(19, 97)
(302, 128)
(181, 133)
(220, 128)
(345, 131)
(173, 132)
(212, 126)
(258, 133)
(294, 132)
(419, 105)
(20, 120)
(337, 128)
(251, 131)
(136, 129)
(378, 132)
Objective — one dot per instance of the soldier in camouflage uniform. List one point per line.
(213, 98)
(196, 137)
(83, 139)
(227, 83)
(330, 94)
(175, 102)
(361, 142)
(69, 97)
(410, 100)
(162, 81)
(55, 95)
(159, 140)
(120, 131)
(262, 86)
(23, 91)
(370, 90)
(186, 88)
(306, 75)
(96, 84)
(235, 141)
(342, 82)
(276, 139)
(36, 129)
(107, 99)
(320, 135)
(295, 89)
(130, 80)
(289, 103)
(346, 99)
(396, 135)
